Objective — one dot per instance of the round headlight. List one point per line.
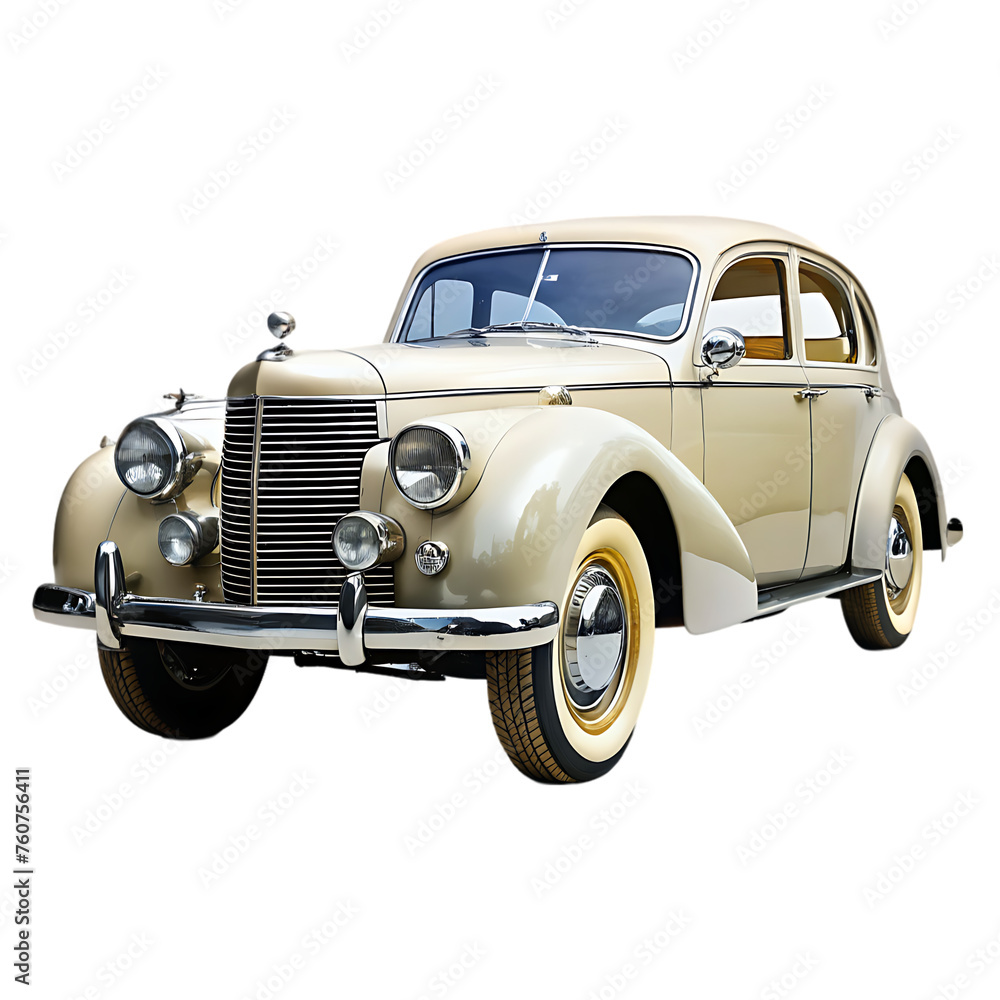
(151, 459)
(428, 463)
(184, 538)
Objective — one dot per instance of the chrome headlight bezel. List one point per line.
(184, 465)
(463, 458)
(204, 532)
(389, 540)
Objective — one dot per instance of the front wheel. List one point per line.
(880, 615)
(181, 691)
(566, 711)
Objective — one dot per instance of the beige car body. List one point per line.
(707, 467)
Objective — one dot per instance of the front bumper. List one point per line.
(353, 630)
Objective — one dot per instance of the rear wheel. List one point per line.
(181, 691)
(880, 615)
(566, 711)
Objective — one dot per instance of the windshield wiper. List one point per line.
(523, 325)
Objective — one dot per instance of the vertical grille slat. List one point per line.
(306, 462)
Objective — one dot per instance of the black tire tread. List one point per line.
(512, 705)
(868, 619)
(122, 678)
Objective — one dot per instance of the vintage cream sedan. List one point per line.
(567, 439)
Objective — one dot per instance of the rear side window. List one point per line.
(751, 298)
(827, 321)
(867, 354)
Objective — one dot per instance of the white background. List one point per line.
(881, 97)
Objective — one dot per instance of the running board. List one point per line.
(779, 598)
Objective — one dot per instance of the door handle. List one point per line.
(811, 393)
(871, 391)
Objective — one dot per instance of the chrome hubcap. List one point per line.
(595, 640)
(898, 558)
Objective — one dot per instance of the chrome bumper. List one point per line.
(353, 630)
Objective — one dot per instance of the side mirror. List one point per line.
(723, 347)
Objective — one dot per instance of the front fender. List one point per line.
(514, 537)
(95, 507)
(897, 447)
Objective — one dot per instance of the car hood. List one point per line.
(487, 363)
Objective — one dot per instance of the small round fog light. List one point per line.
(431, 557)
(356, 543)
(184, 538)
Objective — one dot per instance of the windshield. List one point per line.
(577, 289)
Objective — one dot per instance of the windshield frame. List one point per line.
(597, 245)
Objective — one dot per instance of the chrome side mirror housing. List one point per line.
(723, 347)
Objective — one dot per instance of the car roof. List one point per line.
(704, 236)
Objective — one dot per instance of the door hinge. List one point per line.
(811, 393)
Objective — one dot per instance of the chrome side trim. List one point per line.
(779, 598)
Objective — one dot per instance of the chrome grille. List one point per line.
(291, 468)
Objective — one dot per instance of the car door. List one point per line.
(756, 423)
(839, 358)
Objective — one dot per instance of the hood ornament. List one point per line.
(281, 324)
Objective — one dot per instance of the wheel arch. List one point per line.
(897, 449)
(638, 499)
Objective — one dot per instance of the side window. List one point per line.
(827, 321)
(866, 349)
(443, 308)
(751, 297)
